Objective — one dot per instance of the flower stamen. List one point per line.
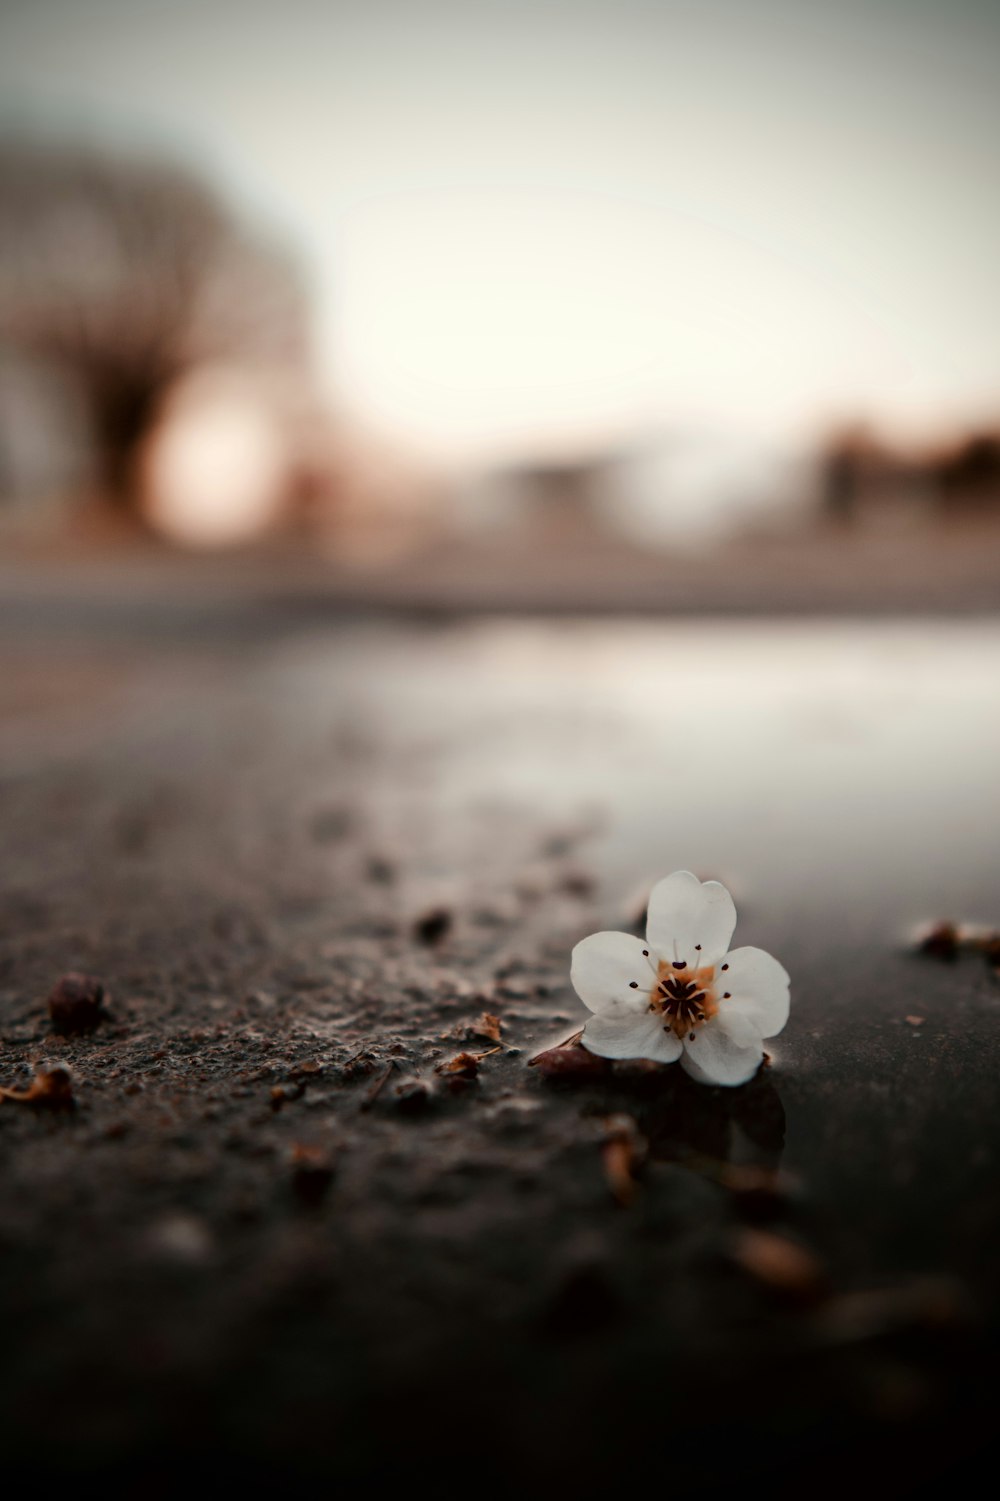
(685, 1001)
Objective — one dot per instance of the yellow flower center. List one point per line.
(683, 997)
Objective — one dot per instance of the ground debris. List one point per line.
(464, 1065)
(781, 1265)
(433, 926)
(413, 1096)
(283, 1094)
(624, 1151)
(567, 1042)
(947, 939)
(934, 1304)
(376, 1087)
(940, 940)
(758, 1192)
(76, 1004)
(310, 1069)
(488, 1028)
(312, 1172)
(360, 1065)
(569, 1060)
(50, 1089)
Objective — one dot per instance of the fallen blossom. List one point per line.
(682, 993)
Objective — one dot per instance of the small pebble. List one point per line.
(433, 926)
(76, 1004)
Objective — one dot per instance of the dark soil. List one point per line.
(275, 1239)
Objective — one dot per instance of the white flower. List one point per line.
(683, 993)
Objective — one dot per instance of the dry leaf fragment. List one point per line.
(464, 1065)
(50, 1089)
(487, 1027)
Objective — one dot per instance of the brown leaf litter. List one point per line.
(50, 1089)
(464, 1065)
(624, 1151)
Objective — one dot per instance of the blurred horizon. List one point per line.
(550, 234)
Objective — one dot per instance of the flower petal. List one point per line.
(715, 1058)
(758, 987)
(604, 967)
(684, 913)
(623, 1034)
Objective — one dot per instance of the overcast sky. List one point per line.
(539, 222)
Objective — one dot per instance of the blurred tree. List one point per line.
(125, 274)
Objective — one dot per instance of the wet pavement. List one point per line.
(270, 1219)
